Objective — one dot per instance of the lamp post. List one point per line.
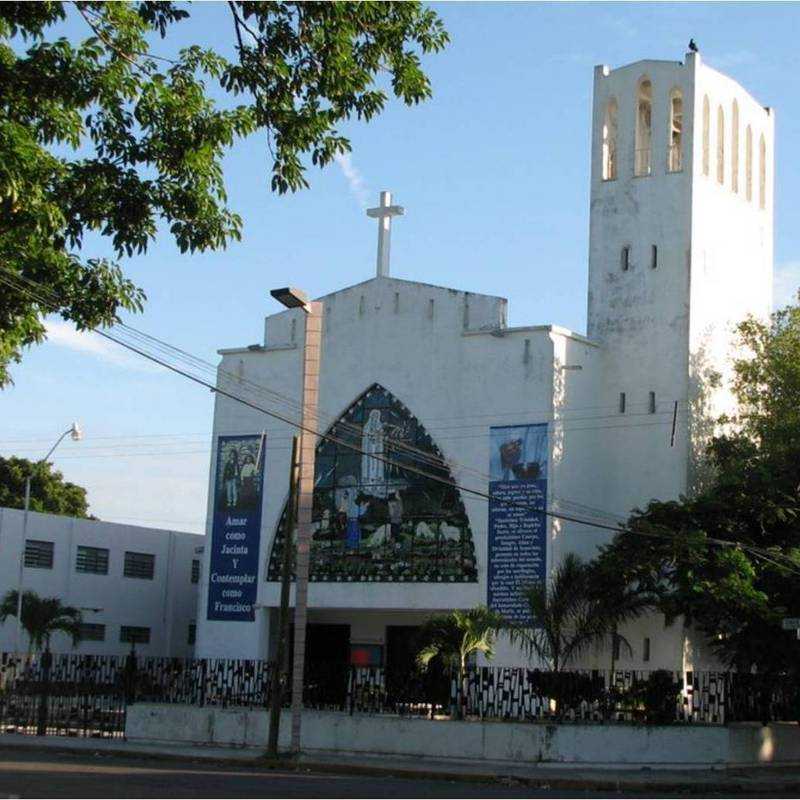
(76, 434)
(312, 343)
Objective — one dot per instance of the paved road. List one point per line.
(27, 774)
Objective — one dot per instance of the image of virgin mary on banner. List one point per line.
(236, 529)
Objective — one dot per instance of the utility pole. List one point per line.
(279, 676)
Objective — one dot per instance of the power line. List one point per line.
(407, 467)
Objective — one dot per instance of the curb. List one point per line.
(535, 782)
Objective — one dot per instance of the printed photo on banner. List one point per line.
(519, 453)
(239, 468)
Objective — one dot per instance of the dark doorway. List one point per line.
(406, 683)
(326, 665)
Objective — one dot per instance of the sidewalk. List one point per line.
(745, 780)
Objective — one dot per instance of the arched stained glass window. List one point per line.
(375, 517)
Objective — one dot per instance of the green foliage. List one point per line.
(659, 694)
(50, 493)
(454, 637)
(580, 605)
(42, 617)
(106, 135)
(736, 592)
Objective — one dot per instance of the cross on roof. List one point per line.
(384, 213)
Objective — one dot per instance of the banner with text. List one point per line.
(236, 532)
(517, 543)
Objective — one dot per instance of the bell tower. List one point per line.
(680, 250)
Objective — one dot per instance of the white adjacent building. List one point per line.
(133, 585)
(602, 422)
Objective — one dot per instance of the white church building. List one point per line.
(445, 403)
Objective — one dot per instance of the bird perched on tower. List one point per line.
(693, 46)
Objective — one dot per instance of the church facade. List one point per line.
(464, 458)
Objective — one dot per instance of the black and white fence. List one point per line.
(88, 696)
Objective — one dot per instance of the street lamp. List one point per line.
(295, 298)
(76, 434)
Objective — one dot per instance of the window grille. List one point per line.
(92, 632)
(134, 635)
(195, 570)
(139, 565)
(38, 554)
(92, 559)
(622, 402)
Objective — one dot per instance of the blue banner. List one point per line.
(517, 541)
(236, 531)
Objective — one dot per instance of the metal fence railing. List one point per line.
(75, 695)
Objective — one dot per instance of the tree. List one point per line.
(727, 560)
(566, 616)
(42, 617)
(50, 493)
(452, 638)
(107, 135)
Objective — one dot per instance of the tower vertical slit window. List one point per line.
(654, 256)
(762, 172)
(644, 128)
(610, 141)
(748, 163)
(706, 136)
(735, 148)
(675, 155)
(625, 258)
(720, 146)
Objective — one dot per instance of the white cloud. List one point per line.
(65, 334)
(355, 180)
(785, 284)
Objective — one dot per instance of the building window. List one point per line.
(706, 136)
(92, 632)
(195, 570)
(652, 404)
(654, 256)
(622, 402)
(139, 565)
(610, 141)
(38, 554)
(720, 146)
(625, 258)
(92, 559)
(192, 636)
(134, 635)
(646, 649)
(762, 172)
(675, 156)
(748, 163)
(615, 646)
(644, 128)
(735, 148)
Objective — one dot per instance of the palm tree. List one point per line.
(566, 618)
(42, 617)
(454, 637)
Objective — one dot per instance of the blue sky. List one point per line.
(493, 173)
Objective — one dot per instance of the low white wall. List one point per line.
(494, 741)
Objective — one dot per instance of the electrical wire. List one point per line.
(791, 566)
